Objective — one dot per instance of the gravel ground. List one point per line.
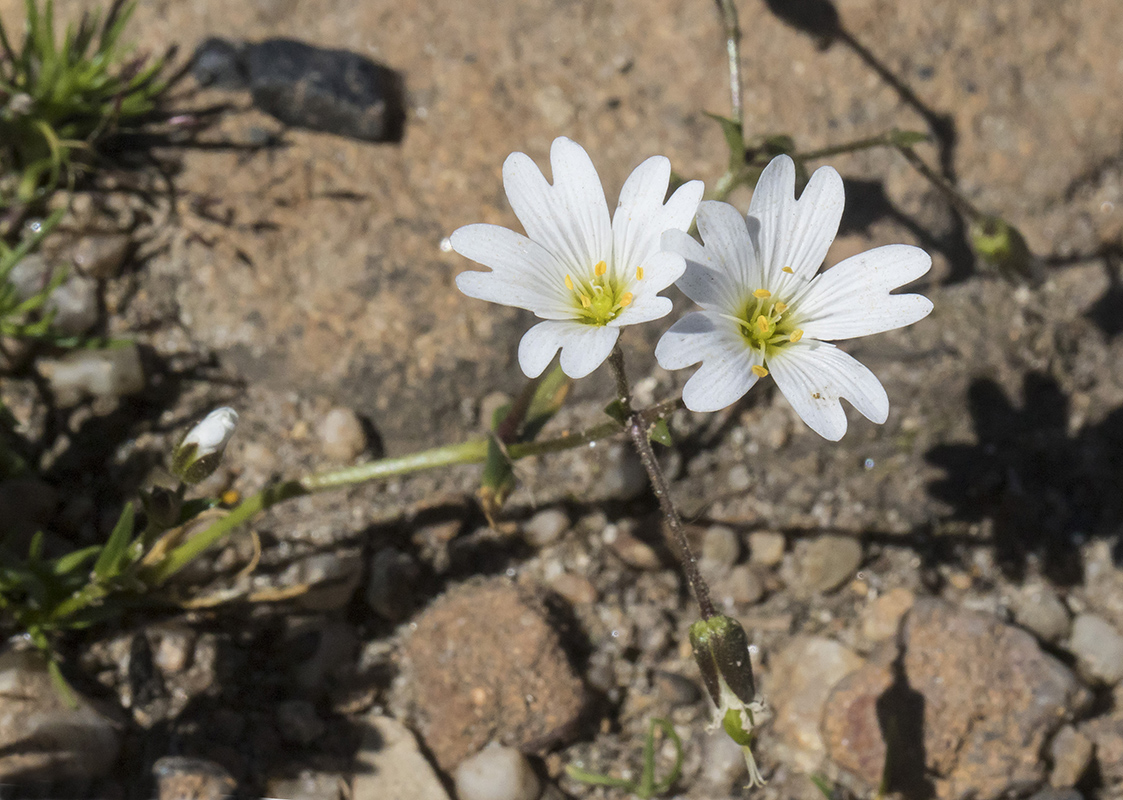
(934, 605)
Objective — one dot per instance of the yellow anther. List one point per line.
(788, 270)
(625, 299)
(762, 323)
(759, 371)
(762, 293)
(796, 335)
(639, 273)
(781, 307)
(569, 283)
(585, 301)
(600, 268)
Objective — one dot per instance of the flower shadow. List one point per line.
(1044, 489)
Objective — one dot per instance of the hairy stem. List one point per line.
(638, 427)
(733, 53)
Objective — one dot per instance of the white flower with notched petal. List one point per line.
(766, 310)
(585, 275)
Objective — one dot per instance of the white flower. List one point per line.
(585, 275)
(213, 433)
(200, 452)
(766, 311)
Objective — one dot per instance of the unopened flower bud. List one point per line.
(721, 649)
(200, 452)
(1002, 245)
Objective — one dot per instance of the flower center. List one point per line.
(600, 299)
(764, 325)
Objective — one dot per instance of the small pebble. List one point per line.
(766, 548)
(101, 255)
(675, 689)
(739, 479)
(828, 562)
(1040, 611)
(497, 773)
(392, 584)
(74, 304)
(577, 589)
(1098, 648)
(721, 546)
(881, 619)
(179, 777)
(342, 436)
(741, 585)
(546, 527)
(1071, 752)
(631, 550)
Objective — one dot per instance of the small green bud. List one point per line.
(1002, 245)
(721, 649)
(200, 452)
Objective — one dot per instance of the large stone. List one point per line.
(486, 664)
(1098, 647)
(41, 737)
(851, 728)
(992, 699)
(798, 682)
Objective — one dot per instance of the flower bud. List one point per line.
(200, 452)
(1002, 245)
(721, 649)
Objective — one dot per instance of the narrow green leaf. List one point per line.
(109, 561)
(60, 683)
(72, 561)
(734, 139)
(549, 397)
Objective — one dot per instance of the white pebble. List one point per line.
(497, 773)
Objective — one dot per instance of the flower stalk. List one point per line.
(638, 425)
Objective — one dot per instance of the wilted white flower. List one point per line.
(766, 311)
(198, 455)
(584, 274)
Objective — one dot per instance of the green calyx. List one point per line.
(721, 649)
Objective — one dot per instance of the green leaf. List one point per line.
(734, 139)
(109, 562)
(60, 683)
(549, 397)
(661, 434)
(823, 785)
(73, 561)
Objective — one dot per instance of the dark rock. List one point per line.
(486, 664)
(336, 91)
(991, 697)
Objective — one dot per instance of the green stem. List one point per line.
(961, 203)
(473, 451)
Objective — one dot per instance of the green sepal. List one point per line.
(721, 649)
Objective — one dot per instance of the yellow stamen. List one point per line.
(797, 334)
(762, 323)
(600, 268)
(639, 273)
(788, 270)
(762, 293)
(569, 283)
(625, 299)
(759, 371)
(781, 308)
(585, 301)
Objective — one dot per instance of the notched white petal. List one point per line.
(814, 376)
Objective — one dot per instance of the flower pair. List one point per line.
(764, 308)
